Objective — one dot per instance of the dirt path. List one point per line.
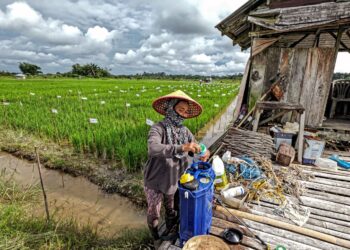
(212, 132)
(77, 197)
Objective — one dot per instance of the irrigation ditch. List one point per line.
(91, 190)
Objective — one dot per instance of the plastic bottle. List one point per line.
(203, 150)
(201, 153)
(219, 169)
(233, 192)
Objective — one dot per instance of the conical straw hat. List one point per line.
(205, 242)
(161, 103)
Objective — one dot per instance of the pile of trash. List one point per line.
(242, 179)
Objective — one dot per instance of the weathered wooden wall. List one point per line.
(264, 67)
(308, 75)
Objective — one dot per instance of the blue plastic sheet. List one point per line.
(341, 163)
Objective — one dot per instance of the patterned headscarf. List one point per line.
(176, 133)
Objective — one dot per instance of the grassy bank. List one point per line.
(107, 174)
(21, 229)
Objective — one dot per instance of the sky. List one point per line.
(126, 37)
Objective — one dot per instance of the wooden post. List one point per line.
(256, 119)
(242, 90)
(42, 185)
(301, 137)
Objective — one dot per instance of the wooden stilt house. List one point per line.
(297, 39)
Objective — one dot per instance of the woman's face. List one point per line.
(182, 109)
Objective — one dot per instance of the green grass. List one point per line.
(121, 131)
(20, 229)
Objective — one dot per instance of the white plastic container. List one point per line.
(226, 157)
(326, 163)
(233, 192)
(219, 169)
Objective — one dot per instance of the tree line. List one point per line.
(93, 70)
(96, 71)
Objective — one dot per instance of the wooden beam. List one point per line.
(298, 41)
(317, 38)
(270, 32)
(271, 105)
(242, 89)
(341, 43)
(271, 118)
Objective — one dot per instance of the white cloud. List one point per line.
(125, 58)
(22, 19)
(201, 58)
(127, 36)
(99, 34)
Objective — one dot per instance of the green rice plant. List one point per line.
(102, 117)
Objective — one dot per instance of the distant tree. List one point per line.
(30, 69)
(6, 73)
(89, 70)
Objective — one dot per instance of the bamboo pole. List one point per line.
(42, 185)
(290, 227)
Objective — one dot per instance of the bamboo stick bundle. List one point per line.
(252, 144)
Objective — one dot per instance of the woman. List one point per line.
(168, 145)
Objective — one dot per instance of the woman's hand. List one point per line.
(206, 156)
(191, 147)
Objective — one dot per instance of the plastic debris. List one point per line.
(341, 163)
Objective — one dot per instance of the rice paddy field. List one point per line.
(103, 117)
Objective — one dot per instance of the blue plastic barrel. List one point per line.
(196, 206)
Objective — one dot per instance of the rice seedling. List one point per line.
(98, 121)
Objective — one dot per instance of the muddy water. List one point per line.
(77, 197)
(215, 129)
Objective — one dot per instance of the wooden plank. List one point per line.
(242, 89)
(270, 105)
(330, 214)
(327, 197)
(301, 137)
(260, 44)
(334, 183)
(331, 220)
(256, 78)
(318, 224)
(308, 84)
(296, 77)
(325, 205)
(324, 80)
(327, 188)
(273, 55)
(328, 175)
(328, 225)
(305, 16)
(276, 223)
(172, 247)
(325, 170)
(316, 211)
(165, 245)
(256, 119)
(296, 240)
(294, 3)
